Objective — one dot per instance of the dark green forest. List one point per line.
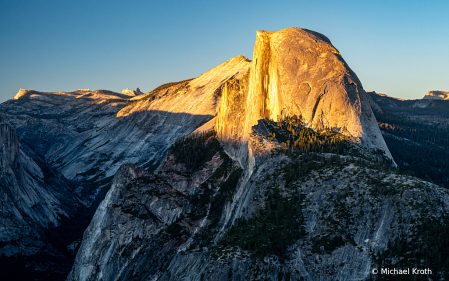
(294, 136)
(272, 229)
(419, 149)
(196, 149)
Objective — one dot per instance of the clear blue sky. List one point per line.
(400, 48)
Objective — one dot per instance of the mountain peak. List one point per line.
(132, 93)
(437, 95)
(21, 93)
(297, 72)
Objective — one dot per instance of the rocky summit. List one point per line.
(132, 93)
(437, 95)
(297, 72)
(270, 169)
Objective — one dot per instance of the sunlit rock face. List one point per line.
(84, 94)
(296, 72)
(87, 135)
(199, 96)
(437, 95)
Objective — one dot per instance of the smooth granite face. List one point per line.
(297, 72)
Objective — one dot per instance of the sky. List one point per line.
(399, 48)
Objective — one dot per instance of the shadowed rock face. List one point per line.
(33, 199)
(87, 135)
(297, 72)
(39, 194)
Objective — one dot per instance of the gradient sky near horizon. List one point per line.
(399, 48)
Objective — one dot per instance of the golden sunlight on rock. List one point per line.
(296, 72)
(199, 96)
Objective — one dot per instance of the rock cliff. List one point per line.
(141, 218)
(296, 72)
(297, 216)
(38, 192)
(33, 199)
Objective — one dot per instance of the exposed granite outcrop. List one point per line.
(296, 72)
(140, 220)
(436, 95)
(350, 210)
(132, 93)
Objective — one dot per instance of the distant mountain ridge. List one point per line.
(437, 95)
(417, 133)
(81, 93)
(426, 109)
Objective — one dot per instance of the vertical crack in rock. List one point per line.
(289, 71)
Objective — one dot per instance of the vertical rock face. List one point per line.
(9, 145)
(36, 201)
(297, 72)
(32, 196)
(147, 217)
(12, 227)
(17, 185)
(127, 233)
